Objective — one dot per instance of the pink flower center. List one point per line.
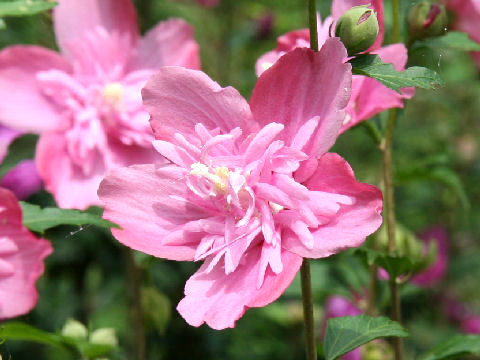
(97, 113)
(249, 187)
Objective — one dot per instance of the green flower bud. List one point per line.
(377, 350)
(74, 329)
(427, 20)
(358, 29)
(104, 336)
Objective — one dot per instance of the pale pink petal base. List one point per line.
(21, 260)
(219, 300)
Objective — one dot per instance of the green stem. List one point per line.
(312, 24)
(373, 131)
(372, 291)
(390, 222)
(396, 21)
(135, 298)
(307, 298)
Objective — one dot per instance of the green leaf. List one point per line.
(459, 345)
(455, 40)
(345, 334)
(394, 264)
(39, 220)
(21, 331)
(24, 7)
(372, 66)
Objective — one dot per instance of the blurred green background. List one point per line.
(437, 176)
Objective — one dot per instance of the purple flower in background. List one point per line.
(436, 272)
(338, 306)
(23, 180)
(471, 325)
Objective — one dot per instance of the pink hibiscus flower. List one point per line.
(435, 273)
(467, 19)
(251, 188)
(86, 102)
(21, 259)
(369, 97)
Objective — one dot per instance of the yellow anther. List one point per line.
(113, 93)
(219, 179)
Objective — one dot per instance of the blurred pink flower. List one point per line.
(86, 103)
(338, 306)
(434, 274)
(467, 19)
(369, 97)
(471, 325)
(23, 180)
(21, 259)
(251, 189)
(208, 3)
(460, 314)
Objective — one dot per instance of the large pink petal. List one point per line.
(21, 259)
(69, 186)
(156, 197)
(74, 19)
(23, 106)
(340, 6)
(352, 223)
(301, 85)
(170, 43)
(219, 299)
(178, 98)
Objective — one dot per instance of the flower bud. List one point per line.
(426, 20)
(358, 29)
(104, 336)
(74, 329)
(377, 350)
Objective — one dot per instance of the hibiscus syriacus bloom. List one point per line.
(251, 188)
(21, 259)
(369, 97)
(86, 102)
